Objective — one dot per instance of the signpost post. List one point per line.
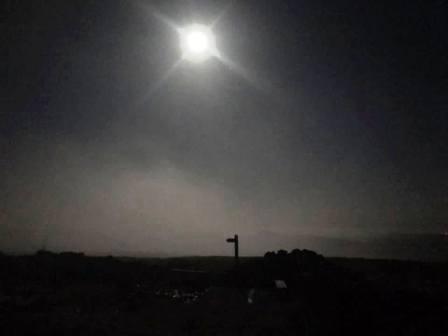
(234, 240)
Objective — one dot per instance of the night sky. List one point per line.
(331, 122)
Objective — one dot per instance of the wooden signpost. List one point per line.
(234, 240)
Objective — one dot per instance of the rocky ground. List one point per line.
(71, 294)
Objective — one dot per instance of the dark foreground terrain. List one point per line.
(72, 294)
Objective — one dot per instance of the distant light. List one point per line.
(197, 43)
(280, 284)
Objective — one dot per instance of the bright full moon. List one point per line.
(197, 43)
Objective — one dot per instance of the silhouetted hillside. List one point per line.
(426, 247)
(282, 293)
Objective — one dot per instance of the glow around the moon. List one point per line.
(197, 43)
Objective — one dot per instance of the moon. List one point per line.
(197, 43)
